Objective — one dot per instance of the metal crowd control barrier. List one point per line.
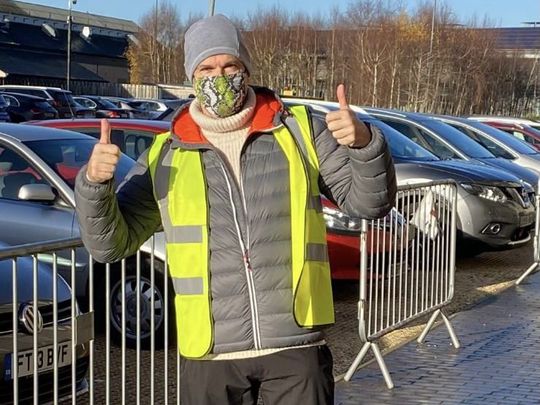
(536, 240)
(54, 356)
(407, 267)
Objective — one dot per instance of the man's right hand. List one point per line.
(105, 156)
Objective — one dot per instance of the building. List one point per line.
(33, 46)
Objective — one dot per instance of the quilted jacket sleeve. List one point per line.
(361, 181)
(114, 225)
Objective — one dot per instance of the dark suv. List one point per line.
(61, 100)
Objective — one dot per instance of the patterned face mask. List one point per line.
(222, 96)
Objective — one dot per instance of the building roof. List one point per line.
(518, 38)
(25, 36)
(28, 63)
(60, 14)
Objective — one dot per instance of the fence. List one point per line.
(407, 271)
(411, 274)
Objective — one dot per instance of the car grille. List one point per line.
(64, 313)
(45, 385)
(519, 195)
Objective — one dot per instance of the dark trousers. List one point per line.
(292, 376)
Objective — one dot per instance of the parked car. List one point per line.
(23, 107)
(4, 115)
(498, 142)
(447, 142)
(43, 162)
(493, 208)
(61, 100)
(102, 108)
(172, 107)
(45, 337)
(134, 136)
(521, 131)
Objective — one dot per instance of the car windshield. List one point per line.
(509, 140)
(401, 147)
(67, 156)
(458, 139)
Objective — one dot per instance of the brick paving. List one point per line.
(498, 362)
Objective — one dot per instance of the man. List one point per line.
(236, 185)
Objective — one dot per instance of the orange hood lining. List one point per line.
(267, 107)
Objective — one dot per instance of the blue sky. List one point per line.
(500, 12)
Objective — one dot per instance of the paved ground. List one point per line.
(499, 361)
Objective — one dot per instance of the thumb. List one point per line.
(343, 105)
(105, 136)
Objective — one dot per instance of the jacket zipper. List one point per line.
(247, 265)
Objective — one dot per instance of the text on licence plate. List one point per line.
(45, 360)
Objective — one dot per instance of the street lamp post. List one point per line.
(68, 70)
(211, 7)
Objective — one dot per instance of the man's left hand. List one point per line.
(346, 128)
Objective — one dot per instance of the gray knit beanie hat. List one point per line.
(213, 36)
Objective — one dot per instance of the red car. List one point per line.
(133, 137)
(521, 131)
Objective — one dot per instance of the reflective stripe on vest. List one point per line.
(181, 197)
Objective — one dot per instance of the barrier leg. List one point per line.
(428, 327)
(380, 362)
(382, 366)
(529, 271)
(357, 361)
(451, 332)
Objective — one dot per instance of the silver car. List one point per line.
(447, 142)
(37, 173)
(493, 208)
(500, 143)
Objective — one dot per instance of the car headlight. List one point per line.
(338, 221)
(488, 192)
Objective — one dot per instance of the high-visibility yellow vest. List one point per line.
(180, 188)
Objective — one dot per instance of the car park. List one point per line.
(24, 107)
(500, 143)
(38, 167)
(102, 108)
(494, 208)
(61, 100)
(447, 142)
(24, 335)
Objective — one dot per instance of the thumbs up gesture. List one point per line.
(104, 158)
(345, 127)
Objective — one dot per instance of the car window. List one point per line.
(136, 142)
(63, 98)
(15, 172)
(10, 100)
(67, 156)
(487, 143)
(106, 103)
(86, 102)
(424, 139)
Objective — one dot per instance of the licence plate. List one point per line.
(45, 362)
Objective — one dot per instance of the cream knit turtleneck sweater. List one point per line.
(227, 134)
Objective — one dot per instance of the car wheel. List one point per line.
(146, 309)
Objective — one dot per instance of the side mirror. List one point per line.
(37, 192)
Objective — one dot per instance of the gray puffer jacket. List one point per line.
(250, 311)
